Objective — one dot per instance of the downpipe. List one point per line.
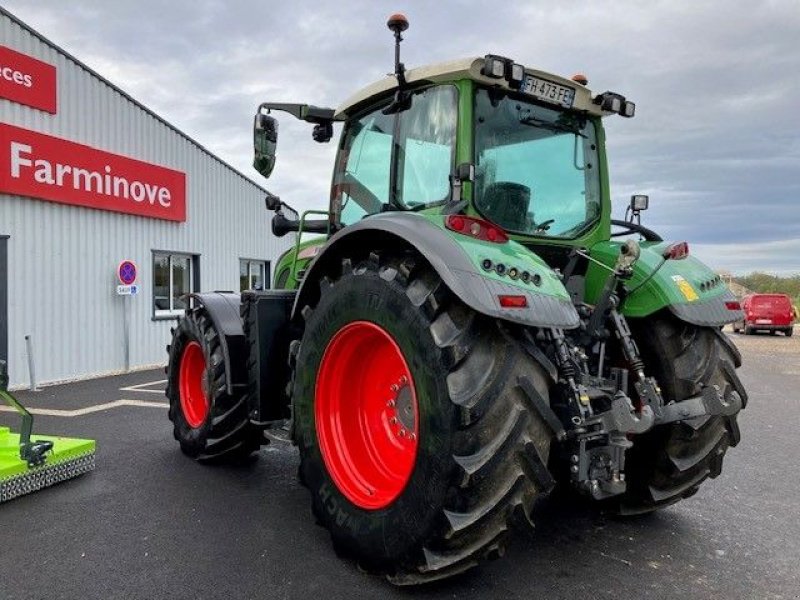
(31, 364)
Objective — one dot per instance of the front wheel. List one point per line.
(208, 422)
(417, 443)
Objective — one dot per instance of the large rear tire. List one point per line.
(670, 462)
(209, 423)
(441, 502)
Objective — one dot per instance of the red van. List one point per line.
(767, 312)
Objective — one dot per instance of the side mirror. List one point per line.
(265, 141)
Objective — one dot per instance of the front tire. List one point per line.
(480, 451)
(670, 462)
(209, 423)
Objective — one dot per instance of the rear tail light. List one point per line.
(676, 251)
(511, 301)
(733, 305)
(477, 228)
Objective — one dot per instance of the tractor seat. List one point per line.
(506, 203)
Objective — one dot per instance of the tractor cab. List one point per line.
(506, 145)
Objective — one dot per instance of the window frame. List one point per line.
(335, 206)
(194, 283)
(267, 274)
(587, 225)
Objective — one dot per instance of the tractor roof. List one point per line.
(465, 68)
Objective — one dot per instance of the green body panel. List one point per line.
(287, 262)
(511, 254)
(676, 281)
(64, 449)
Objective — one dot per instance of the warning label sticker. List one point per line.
(686, 288)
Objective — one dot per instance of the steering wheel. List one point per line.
(627, 228)
(544, 225)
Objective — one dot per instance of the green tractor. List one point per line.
(466, 330)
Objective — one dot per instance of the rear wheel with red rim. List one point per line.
(415, 437)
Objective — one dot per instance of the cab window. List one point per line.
(536, 168)
(419, 142)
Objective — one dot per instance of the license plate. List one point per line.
(763, 321)
(548, 91)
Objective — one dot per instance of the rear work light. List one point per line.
(676, 251)
(510, 301)
(477, 228)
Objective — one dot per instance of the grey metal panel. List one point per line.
(708, 313)
(62, 259)
(452, 265)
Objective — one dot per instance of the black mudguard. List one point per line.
(224, 310)
(254, 330)
(403, 231)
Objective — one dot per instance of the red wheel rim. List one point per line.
(192, 385)
(366, 414)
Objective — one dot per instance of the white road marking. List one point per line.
(59, 412)
(138, 387)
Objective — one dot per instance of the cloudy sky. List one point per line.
(715, 141)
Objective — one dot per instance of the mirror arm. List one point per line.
(304, 112)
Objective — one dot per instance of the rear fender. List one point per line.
(458, 261)
(691, 291)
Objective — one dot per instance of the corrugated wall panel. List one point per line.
(62, 259)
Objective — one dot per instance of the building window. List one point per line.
(173, 277)
(253, 274)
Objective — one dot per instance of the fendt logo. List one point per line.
(49, 168)
(26, 80)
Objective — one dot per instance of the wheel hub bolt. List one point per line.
(403, 380)
(393, 420)
(390, 404)
(402, 433)
(394, 387)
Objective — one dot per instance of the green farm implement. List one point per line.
(28, 464)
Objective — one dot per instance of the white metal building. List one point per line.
(90, 178)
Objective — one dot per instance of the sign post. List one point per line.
(127, 273)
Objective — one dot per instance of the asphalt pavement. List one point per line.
(150, 523)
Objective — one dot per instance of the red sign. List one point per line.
(26, 80)
(48, 168)
(127, 272)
